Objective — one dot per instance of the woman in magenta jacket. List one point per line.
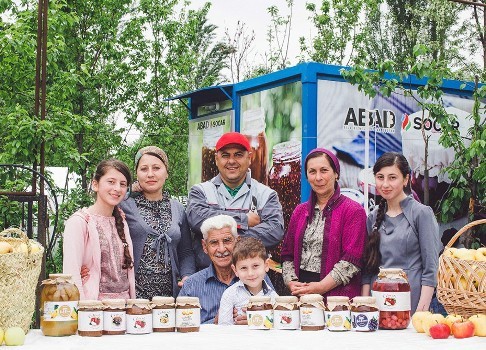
(323, 248)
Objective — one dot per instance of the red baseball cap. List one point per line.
(233, 138)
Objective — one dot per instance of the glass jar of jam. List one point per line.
(338, 313)
(114, 317)
(139, 316)
(253, 127)
(364, 314)
(312, 312)
(259, 312)
(188, 314)
(59, 306)
(392, 292)
(90, 318)
(286, 314)
(163, 314)
(210, 137)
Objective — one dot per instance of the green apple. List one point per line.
(1, 335)
(14, 336)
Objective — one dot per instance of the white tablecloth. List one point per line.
(240, 337)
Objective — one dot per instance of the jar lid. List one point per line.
(60, 275)
(95, 304)
(338, 299)
(55, 278)
(141, 303)
(187, 301)
(286, 299)
(114, 303)
(260, 299)
(162, 300)
(368, 301)
(392, 273)
(311, 298)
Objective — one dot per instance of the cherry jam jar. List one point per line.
(392, 292)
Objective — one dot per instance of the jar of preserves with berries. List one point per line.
(392, 293)
(59, 306)
(364, 314)
(114, 317)
(90, 318)
(253, 127)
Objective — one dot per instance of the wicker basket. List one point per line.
(19, 274)
(461, 284)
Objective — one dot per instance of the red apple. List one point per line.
(463, 329)
(440, 331)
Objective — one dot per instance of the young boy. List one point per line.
(250, 265)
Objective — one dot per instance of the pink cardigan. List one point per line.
(81, 247)
(344, 238)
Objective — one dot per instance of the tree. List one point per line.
(241, 44)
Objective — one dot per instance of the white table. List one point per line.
(240, 337)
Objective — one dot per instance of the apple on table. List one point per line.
(464, 329)
(417, 319)
(440, 331)
(479, 324)
(451, 318)
(431, 320)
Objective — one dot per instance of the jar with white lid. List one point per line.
(259, 312)
(286, 314)
(338, 313)
(312, 312)
(90, 318)
(163, 314)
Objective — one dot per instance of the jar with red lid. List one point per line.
(392, 292)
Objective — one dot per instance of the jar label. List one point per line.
(392, 301)
(90, 321)
(262, 319)
(311, 316)
(338, 320)
(163, 318)
(139, 324)
(364, 321)
(60, 311)
(114, 321)
(286, 319)
(188, 317)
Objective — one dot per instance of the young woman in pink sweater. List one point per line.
(97, 237)
(323, 248)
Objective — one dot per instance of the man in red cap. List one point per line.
(233, 192)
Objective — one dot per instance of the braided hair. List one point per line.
(372, 255)
(101, 170)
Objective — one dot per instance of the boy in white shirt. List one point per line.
(250, 264)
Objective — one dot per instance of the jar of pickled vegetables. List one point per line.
(59, 306)
(392, 292)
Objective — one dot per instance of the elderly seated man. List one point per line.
(219, 238)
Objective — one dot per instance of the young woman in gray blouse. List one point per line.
(402, 233)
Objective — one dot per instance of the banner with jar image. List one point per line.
(272, 121)
(204, 132)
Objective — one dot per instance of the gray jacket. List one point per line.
(414, 246)
(178, 236)
(211, 198)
